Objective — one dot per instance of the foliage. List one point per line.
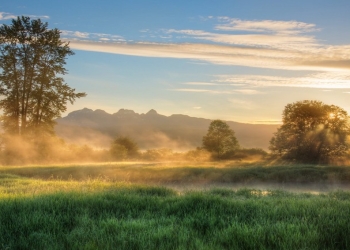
(124, 148)
(161, 154)
(312, 132)
(32, 59)
(250, 154)
(197, 155)
(220, 140)
(165, 154)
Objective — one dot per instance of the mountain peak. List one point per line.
(80, 112)
(100, 111)
(125, 112)
(152, 112)
(85, 110)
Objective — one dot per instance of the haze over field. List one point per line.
(152, 130)
(238, 61)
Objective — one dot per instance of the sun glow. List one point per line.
(331, 115)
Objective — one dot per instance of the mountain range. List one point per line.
(97, 128)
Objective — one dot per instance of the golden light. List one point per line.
(331, 115)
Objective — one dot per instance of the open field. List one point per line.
(189, 175)
(173, 206)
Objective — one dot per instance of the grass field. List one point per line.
(185, 175)
(109, 206)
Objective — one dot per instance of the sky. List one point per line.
(234, 60)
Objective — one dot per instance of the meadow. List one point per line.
(226, 205)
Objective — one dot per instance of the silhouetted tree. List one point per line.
(124, 147)
(220, 140)
(312, 132)
(33, 92)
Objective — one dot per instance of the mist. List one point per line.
(195, 176)
(152, 130)
(18, 150)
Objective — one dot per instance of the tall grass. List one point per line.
(101, 214)
(232, 173)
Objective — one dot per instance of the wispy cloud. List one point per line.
(247, 91)
(327, 58)
(328, 80)
(210, 91)
(265, 44)
(192, 90)
(257, 33)
(35, 16)
(254, 84)
(85, 36)
(76, 34)
(271, 26)
(204, 83)
(7, 16)
(276, 40)
(219, 87)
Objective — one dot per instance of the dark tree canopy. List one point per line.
(124, 147)
(33, 92)
(220, 140)
(312, 132)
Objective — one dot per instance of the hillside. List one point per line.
(152, 130)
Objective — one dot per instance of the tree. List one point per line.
(220, 140)
(312, 132)
(33, 92)
(124, 147)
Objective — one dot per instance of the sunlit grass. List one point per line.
(186, 174)
(102, 214)
(127, 206)
(14, 186)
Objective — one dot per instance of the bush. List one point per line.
(124, 148)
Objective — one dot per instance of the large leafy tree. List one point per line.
(220, 140)
(312, 132)
(33, 92)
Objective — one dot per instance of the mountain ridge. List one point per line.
(152, 130)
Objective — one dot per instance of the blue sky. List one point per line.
(233, 60)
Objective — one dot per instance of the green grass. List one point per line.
(40, 211)
(185, 174)
(134, 217)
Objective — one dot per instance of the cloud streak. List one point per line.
(192, 90)
(85, 36)
(8, 16)
(329, 80)
(328, 58)
(205, 83)
(220, 91)
(254, 84)
(281, 40)
(281, 27)
(281, 45)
